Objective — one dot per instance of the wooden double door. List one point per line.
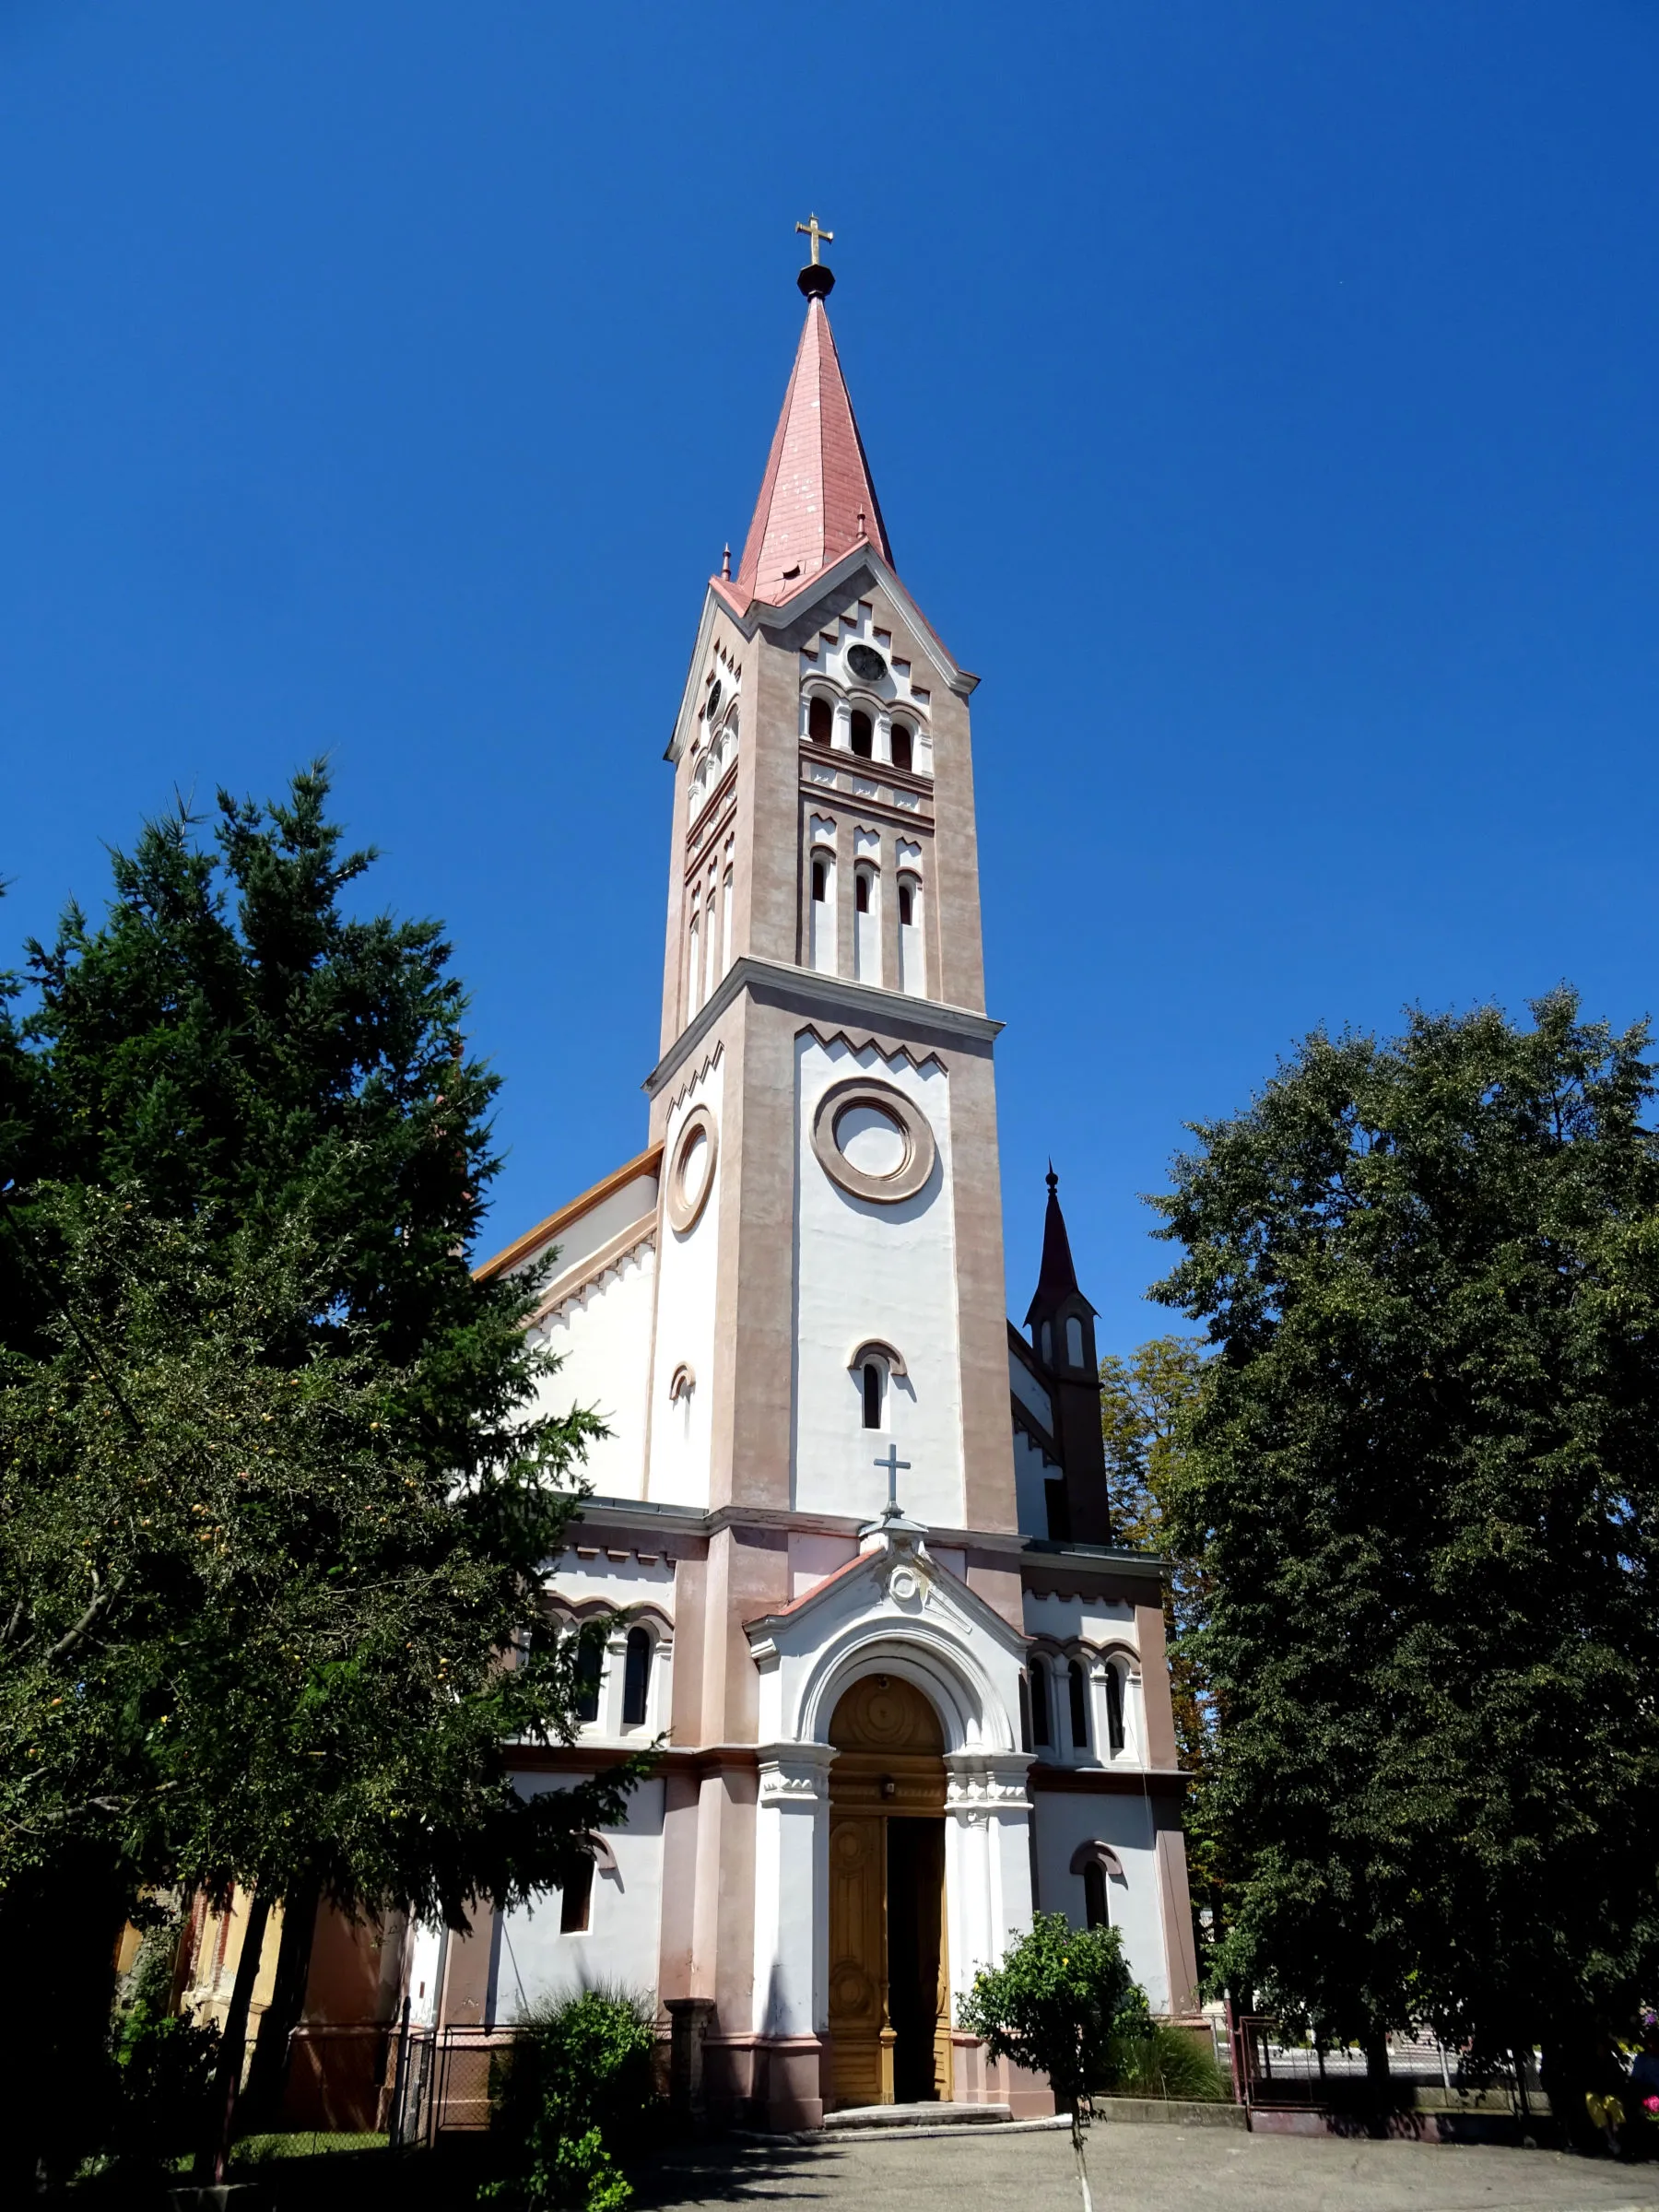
(889, 1971)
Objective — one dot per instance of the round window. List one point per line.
(873, 1141)
(692, 1174)
(866, 664)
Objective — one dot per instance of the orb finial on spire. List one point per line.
(817, 280)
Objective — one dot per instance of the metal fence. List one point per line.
(1269, 2070)
(439, 2080)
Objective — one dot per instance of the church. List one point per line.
(851, 1523)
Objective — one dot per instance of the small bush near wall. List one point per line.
(1166, 2061)
(578, 2085)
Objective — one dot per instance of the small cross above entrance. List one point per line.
(891, 1466)
(810, 226)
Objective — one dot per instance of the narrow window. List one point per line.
(1040, 1707)
(901, 745)
(725, 925)
(589, 1660)
(907, 904)
(820, 878)
(1079, 1706)
(1074, 1340)
(576, 1900)
(1025, 1714)
(862, 737)
(712, 947)
(636, 1679)
(820, 720)
(1115, 1709)
(1094, 1895)
(694, 976)
(861, 891)
(872, 1395)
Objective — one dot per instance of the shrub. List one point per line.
(579, 2080)
(1162, 2061)
(1056, 2005)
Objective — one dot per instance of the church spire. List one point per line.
(817, 498)
(1057, 1276)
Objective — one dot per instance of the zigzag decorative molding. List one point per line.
(859, 1041)
(699, 1074)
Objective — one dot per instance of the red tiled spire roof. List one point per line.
(817, 500)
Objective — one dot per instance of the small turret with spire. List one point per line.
(1062, 1323)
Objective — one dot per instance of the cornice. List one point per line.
(837, 998)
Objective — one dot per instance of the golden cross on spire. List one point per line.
(811, 229)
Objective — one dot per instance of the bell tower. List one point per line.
(832, 1274)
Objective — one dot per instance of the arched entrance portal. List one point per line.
(890, 1978)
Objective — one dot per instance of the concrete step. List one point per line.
(861, 2116)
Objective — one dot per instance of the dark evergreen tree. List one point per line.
(276, 1487)
(1423, 1483)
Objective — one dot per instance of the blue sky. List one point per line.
(1262, 397)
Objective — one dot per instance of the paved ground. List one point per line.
(1148, 2170)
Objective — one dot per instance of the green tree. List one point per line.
(277, 1487)
(1060, 2003)
(1148, 1403)
(1421, 1482)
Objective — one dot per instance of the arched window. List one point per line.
(636, 1679)
(576, 1900)
(711, 946)
(1074, 1341)
(871, 1381)
(821, 944)
(1078, 1687)
(863, 743)
(1094, 1895)
(694, 967)
(725, 923)
(1025, 1714)
(1042, 1734)
(912, 975)
(861, 891)
(820, 719)
(1115, 1709)
(590, 1662)
(902, 754)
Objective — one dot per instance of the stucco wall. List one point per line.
(532, 1960)
(865, 1269)
(1065, 1818)
(602, 1336)
(686, 1317)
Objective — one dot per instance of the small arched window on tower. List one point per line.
(1074, 1341)
(820, 719)
(866, 925)
(1114, 1709)
(871, 1382)
(821, 917)
(726, 924)
(636, 1679)
(1041, 1735)
(903, 748)
(694, 967)
(1077, 1684)
(1094, 1895)
(912, 963)
(863, 735)
(1025, 1714)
